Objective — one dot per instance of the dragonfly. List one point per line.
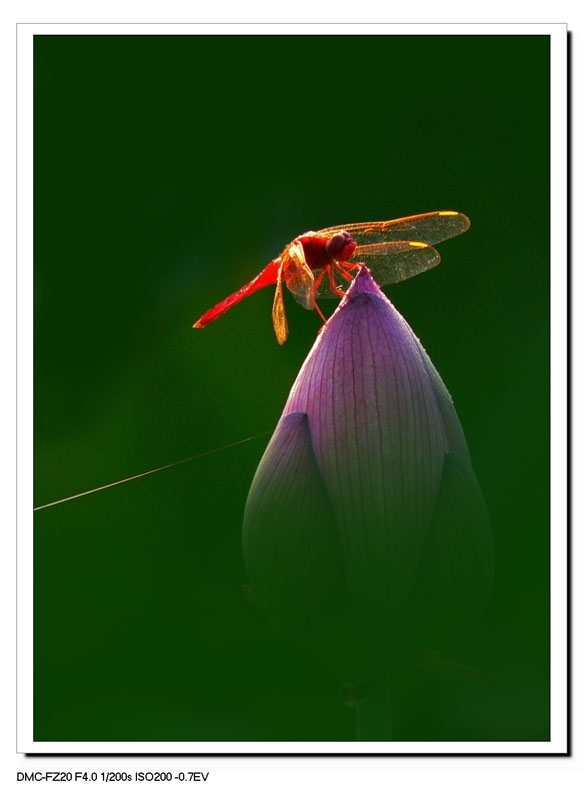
(391, 251)
(323, 263)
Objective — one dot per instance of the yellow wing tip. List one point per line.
(448, 213)
(418, 244)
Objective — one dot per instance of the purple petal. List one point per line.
(379, 434)
(291, 547)
(452, 427)
(456, 569)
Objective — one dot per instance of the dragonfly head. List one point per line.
(341, 246)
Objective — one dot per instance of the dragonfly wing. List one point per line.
(389, 262)
(393, 262)
(298, 276)
(278, 312)
(433, 227)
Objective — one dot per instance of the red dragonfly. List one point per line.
(394, 250)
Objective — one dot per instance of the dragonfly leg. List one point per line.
(314, 290)
(348, 266)
(317, 281)
(329, 271)
(319, 312)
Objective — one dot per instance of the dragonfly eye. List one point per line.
(341, 246)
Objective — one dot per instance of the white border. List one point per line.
(558, 742)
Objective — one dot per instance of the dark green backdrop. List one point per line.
(168, 171)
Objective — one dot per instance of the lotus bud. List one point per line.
(366, 537)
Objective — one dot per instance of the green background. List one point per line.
(168, 171)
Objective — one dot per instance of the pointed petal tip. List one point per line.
(364, 282)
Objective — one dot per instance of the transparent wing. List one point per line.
(433, 227)
(279, 313)
(389, 262)
(298, 276)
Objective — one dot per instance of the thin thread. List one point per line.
(150, 471)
